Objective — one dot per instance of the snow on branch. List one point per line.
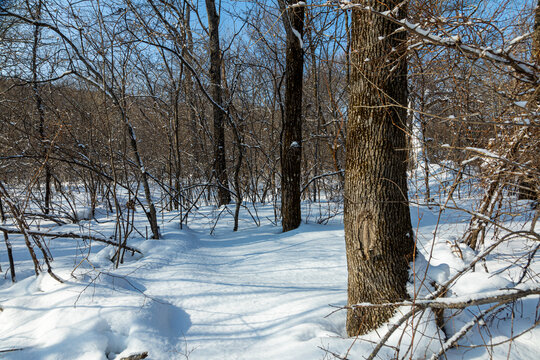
(498, 55)
(298, 4)
(446, 285)
(449, 343)
(499, 296)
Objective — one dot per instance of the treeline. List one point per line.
(190, 99)
(116, 94)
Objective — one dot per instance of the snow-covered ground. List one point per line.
(252, 294)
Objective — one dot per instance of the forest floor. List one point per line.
(256, 293)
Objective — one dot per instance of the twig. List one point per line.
(464, 330)
(443, 288)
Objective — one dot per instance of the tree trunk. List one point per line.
(378, 231)
(9, 250)
(39, 107)
(151, 214)
(529, 185)
(536, 34)
(291, 154)
(220, 165)
(318, 110)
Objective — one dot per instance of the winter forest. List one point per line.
(269, 179)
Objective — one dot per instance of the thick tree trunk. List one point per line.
(291, 154)
(378, 231)
(220, 165)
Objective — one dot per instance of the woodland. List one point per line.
(277, 179)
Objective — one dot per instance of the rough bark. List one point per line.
(139, 356)
(220, 166)
(378, 231)
(291, 153)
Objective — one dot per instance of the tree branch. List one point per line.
(68, 235)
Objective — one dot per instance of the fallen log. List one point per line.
(69, 235)
(140, 356)
(11, 350)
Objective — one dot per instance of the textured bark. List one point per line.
(378, 231)
(291, 152)
(140, 356)
(220, 166)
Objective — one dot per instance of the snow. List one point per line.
(484, 152)
(501, 56)
(522, 104)
(298, 4)
(255, 293)
(218, 297)
(298, 36)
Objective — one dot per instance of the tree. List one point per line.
(291, 147)
(220, 165)
(40, 107)
(378, 231)
(530, 184)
